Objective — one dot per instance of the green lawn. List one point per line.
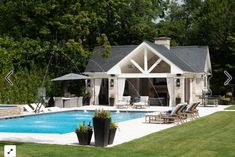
(231, 107)
(212, 136)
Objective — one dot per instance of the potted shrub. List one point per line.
(84, 134)
(177, 100)
(112, 132)
(111, 100)
(101, 124)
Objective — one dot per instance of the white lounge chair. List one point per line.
(143, 103)
(124, 103)
(28, 108)
(39, 106)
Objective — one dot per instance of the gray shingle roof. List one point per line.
(187, 58)
(195, 56)
(97, 63)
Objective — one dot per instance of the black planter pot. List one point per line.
(111, 101)
(101, 130)
(177, 101)
(112, 133)
(84, 138)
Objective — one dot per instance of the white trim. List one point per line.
(154, 65)
(174, 69)
(172, 65)
(137, 65)
(151, 75)
(112, 70)
(145, 60)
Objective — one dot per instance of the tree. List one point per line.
(38, 34)
(208, 22)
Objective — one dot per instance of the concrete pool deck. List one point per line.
(128, 130)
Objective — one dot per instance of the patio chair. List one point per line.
(28, 108)
(38, 107)
(166, 117)
(124, 103)
(191, 111)
(143, 103)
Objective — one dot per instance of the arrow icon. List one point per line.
(229, 78)
(7, 77)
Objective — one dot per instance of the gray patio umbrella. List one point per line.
(71, 76)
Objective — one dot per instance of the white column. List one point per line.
(191, 90)
(97, 91)
(170, 84)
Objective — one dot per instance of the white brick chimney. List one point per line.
(165, 41)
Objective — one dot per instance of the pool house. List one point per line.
(164, 73)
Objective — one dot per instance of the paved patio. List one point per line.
(128, 130)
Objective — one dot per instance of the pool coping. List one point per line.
(128, 130)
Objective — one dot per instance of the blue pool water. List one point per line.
(7, 106)
(60, 123)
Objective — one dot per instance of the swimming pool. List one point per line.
(59, 123)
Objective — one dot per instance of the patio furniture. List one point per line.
(28, 108)
(124, 103)
(143, 103)
(212, 100)
(191, 111)
(38, 107)
(166, 117)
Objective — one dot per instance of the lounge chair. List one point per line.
(143, 103)
(166, 117)
(28, 108)
(191, 111)
(38, 107)
(124, 103)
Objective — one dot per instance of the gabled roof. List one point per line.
(97, 63)
(171, 56)
(187, 58)
(195, 56)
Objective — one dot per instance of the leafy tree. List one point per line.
(208, 22)
(38, 34)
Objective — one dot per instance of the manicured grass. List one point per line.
(212, 136)
(231, 107)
